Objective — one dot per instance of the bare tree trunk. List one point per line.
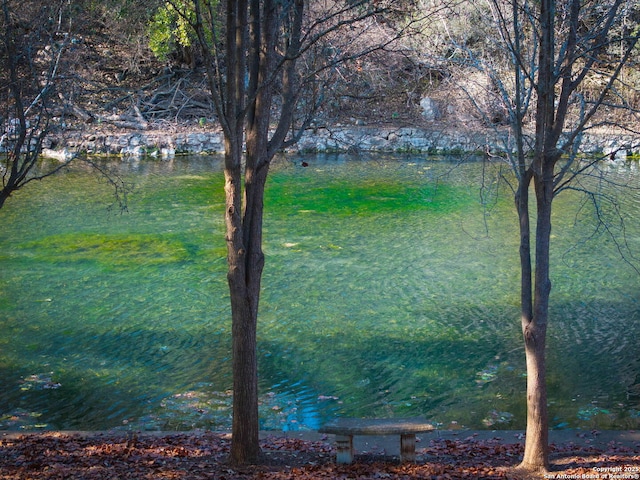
(3, 198)
(242, 272)
(536, 457)
(537, 437)
(526, 276)
(244, 285)
(534, 312)
(263, 43)
(552, 55)
(536, 454)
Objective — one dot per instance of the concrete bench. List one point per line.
(345, 428)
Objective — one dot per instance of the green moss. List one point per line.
(366, 197)
(116, 250)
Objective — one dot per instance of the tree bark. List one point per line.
(552, 55)
(256, 22)
(3, 198)
(536, 444)
(244, 281)
(536, 454)
(263, 42)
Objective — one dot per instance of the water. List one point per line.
(390, 289)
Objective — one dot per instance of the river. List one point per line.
(390, 289)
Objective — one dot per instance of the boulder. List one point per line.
(430, 110)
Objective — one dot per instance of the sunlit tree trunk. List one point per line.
(555, 61)
(534, 330)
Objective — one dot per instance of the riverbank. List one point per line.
(387, 444)
(308, 455)
(165, 141)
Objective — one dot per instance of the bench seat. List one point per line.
(345, 428)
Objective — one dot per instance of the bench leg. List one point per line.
(344, 444)
(408, 447)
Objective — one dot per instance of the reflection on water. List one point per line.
(391, 288)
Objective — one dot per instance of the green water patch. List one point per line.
(346, 197)
(180, 195)
(110, 250)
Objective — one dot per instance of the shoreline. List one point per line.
(167, 142)
(389, 443)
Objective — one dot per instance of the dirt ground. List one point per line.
(309, 455)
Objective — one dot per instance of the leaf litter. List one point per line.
(203, 455)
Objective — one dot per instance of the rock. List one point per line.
(331, 140)
(430, 110)
(168, 152)
(61, 155)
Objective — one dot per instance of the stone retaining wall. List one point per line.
(339, 139)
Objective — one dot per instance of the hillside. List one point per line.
(121, 66)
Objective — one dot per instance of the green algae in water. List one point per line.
(114, 250)
(329, 191)
(389, 289)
